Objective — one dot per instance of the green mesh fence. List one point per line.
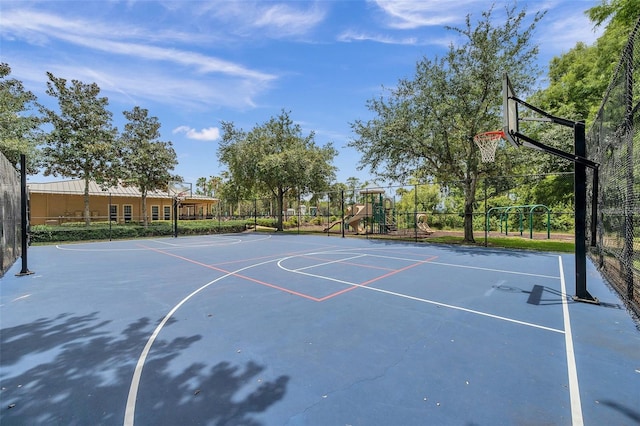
(614, 142)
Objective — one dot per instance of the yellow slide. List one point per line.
(422, 223)
(362, 211)
(353, 221)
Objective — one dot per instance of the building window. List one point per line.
(155, 212)
(113, 213)
(167, 212)
(127, 212)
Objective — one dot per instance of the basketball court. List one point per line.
(256, 329)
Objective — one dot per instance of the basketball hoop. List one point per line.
(488, 142)
(180, 196)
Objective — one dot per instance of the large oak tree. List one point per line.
(276, 157)
(81, 142)
(425, 126)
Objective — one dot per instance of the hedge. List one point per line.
(102, 231)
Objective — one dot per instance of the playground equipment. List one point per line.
(353, 216)
(382, 211)
(421, 221)
(373, 215)
(504, 217)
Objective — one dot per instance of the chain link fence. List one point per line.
(527, 206)
(10, 239)
(614, 143)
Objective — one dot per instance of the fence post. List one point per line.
(580, 185)
(328, 214)
(415, 212)
(299, 211)
(24, 219)
(342, 210)
(109, 216)
(486, 216)
(175, 217)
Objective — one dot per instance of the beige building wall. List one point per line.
(49, 208)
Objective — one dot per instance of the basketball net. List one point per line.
(488, 142)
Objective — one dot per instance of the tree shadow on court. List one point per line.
(630, 413)
(471, 250)
(73, 370)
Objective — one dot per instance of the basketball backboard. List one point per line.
(179, 189)
(510, 112)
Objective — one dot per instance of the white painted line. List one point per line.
(494, 270)
(220, 242)
(433, 262)
(329, 262)
(129, 414)
(21, 297)
(419, 299)
(574, 389)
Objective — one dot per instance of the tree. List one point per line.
(208, 186)
(425, 126)
(421, 198)
(19, 127)
(276, 157)
(579, 78)
(81, 143)
(146, 162)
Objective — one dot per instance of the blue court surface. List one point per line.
(256, 329)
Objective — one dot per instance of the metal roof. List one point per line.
(76, 187)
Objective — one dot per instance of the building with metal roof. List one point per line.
(63, 201)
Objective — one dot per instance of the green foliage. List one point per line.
(275, 157)
(208, 186)
(146, 162)
(579, 78)
(19, 126)
(268, 222)
(101, 230)
(425, 126)
(420, 198)
(81, 142)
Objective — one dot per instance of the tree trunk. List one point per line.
(87, 216)
(280, 208)
(469, 199)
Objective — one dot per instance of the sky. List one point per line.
(194, 64)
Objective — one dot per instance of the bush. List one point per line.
(102, 231)
(268, 222)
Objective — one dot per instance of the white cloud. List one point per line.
(208, 134)
(561, 35)
(35, 25)
(121, 64)
(266, 19)
(349, 36)
(412, 14)
(289, 19)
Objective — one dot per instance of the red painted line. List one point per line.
(286, 290)
(395, 271)
(339, 262)
(251, 259)
(195, 262)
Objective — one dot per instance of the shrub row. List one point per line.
(102, 230)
